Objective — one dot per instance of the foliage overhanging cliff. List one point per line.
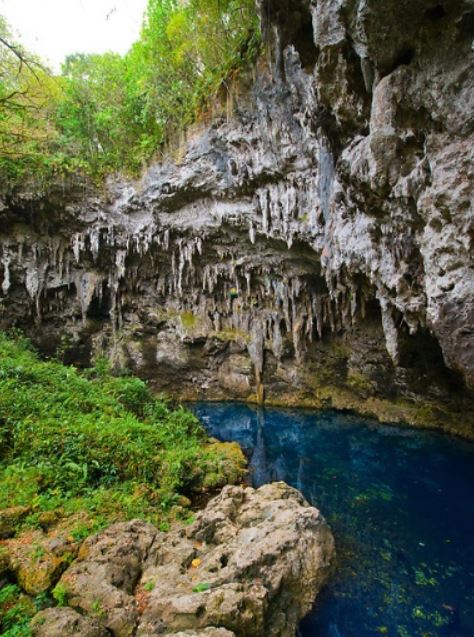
(111, 112)
(313, 245)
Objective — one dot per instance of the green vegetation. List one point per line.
(16, 611)
(28, 97)
(92, 442)
(60, 594)
(110, 112)
(188, 320)
(79, 451)
(149, 586)
(232, 334)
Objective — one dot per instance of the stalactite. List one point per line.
(94, 238)
(389, 328)
(326, 175)
(6, 260)
(277, 338)
(252, 233)
(77, 246)
(86, 285)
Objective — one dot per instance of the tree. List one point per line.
(26, 94)
(110, 112)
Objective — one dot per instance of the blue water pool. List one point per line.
(400, 503)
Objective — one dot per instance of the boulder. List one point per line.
(9, 518)
(55, 622)
(252, 563)
(102, 581)
(38, 559)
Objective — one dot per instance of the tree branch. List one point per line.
(21, 57)
(13, 94)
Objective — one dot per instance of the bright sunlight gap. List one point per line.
(55, 28)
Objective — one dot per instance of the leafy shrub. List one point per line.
(75, 441)
(132, 393)
(16, 611)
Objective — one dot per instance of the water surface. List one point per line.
(401, 506)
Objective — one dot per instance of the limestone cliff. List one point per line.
(311, 245)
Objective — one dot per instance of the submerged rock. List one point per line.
(252, 563)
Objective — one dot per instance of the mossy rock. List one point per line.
(10, 518)
(220, 463)
(4, 560)
(39, 577)
(188, 320)
(38, 559)
(360, 383)
(47, 519)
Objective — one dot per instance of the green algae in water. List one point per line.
(400, 503)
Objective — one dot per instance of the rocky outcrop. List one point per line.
(53, 622)
(312, 244)
(252, 563)
(36, 558)
(66, 621)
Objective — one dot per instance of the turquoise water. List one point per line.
(401, 506)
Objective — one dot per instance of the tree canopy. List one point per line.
(110, 112)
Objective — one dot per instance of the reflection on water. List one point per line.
(401, 506)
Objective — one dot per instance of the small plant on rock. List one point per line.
(61, 594)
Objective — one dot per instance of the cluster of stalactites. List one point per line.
(228, 290)
(232, 287)
(47, 265)
(179, 269)
(32, 260)
(286, 209)
(268, 308)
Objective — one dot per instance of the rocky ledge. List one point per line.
(252, 563)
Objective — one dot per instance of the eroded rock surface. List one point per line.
(207, 632)
(252, 563)
(313, 247)
(102, 581)
(56, 622)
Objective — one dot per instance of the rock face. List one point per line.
(251, 564)
(9, 518)
(65, 621)
(312, 244)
